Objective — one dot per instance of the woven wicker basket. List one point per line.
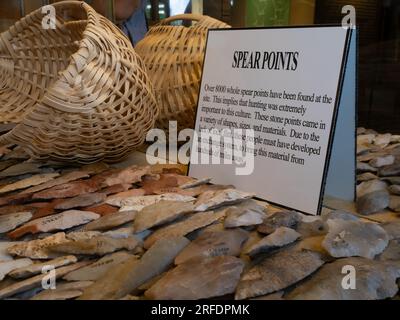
(174, 59)
(78, 92)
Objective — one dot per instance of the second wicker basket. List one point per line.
(174, 58)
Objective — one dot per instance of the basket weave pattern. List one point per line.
(78, 92)
(174, 58)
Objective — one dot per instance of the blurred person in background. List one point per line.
(130, 16)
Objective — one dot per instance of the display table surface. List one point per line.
(139, 231)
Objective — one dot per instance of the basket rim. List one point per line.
(198, 18)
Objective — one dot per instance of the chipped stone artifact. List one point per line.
(99, 268)
(161, 213)
(214, 244)
(277, 272)
(247, 213)
(375, 280)
(34, 269)
(8, 266)
(370, 186)
(207, 278)
(355, 238)
(289, 219)
(111, 221)
(35, 281)
(99, 246)
(64, 291)
(214, 199)
(139, 203)
(37, 249)
(68, 177)
(373, 202)
(60, 221)
(83, 200)
(11, 221)
(126, 277)
(279, 238)
(28, 182)
(182, 228)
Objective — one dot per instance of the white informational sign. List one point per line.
(294, 88)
